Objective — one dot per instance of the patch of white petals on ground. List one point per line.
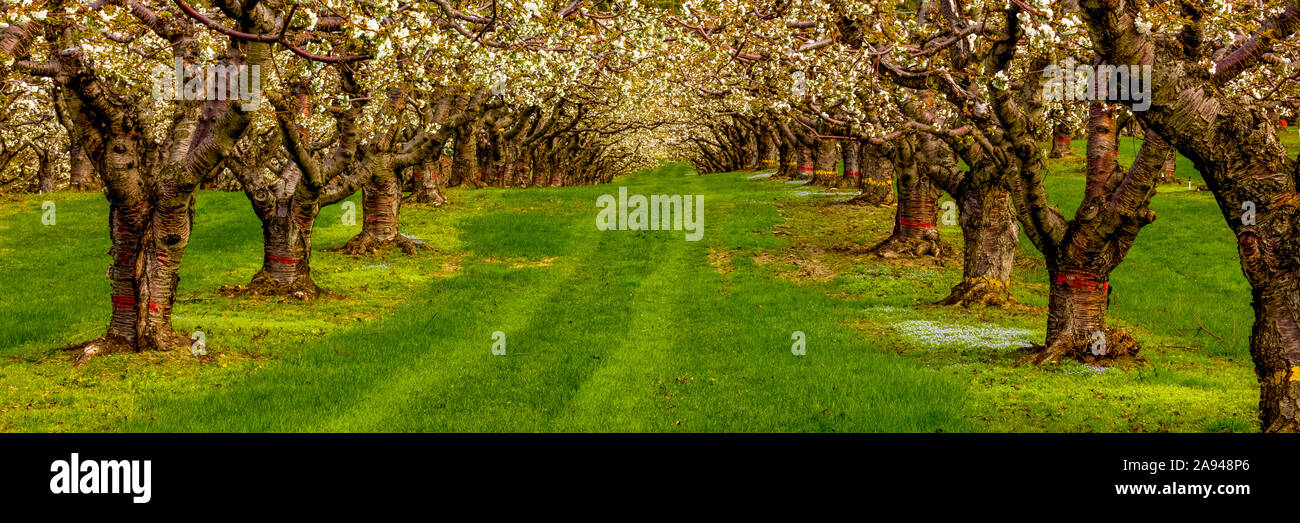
(1086, 370)
(761, 175)
(932, 334)
(826, 193)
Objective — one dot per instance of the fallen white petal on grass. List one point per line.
(825, 193)
(1087, 370)
(761, 175)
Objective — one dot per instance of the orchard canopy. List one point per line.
(944, 111)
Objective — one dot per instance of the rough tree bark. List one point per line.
(915, 232)
(47, 176)
(1236, 148)
(806, 163)
(1082, 253)
(381, 196)
(381, 200)
(876, 180)
(852, 153)
(1060, 141)
(787, 152)
(287, 205)
(825, 163)
(464, 163)
(428, 180)
(82, 169)
(150, 186)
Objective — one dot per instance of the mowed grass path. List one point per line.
(605, 330)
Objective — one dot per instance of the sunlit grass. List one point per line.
(619, 330)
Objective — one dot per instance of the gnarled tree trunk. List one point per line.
(464, 164)
(876, 177)
(1060, 142)
(428, 180)
(825, 164)
(381, 200)
(990, 234)
(915, 232)
(807, 163)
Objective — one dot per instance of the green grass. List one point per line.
(615, 330)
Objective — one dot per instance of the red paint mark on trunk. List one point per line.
(1082, 280)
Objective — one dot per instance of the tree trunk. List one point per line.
(825, 168)
(1060, 142)
(806, 163)
(990, 233)
(750, 152)
(787, 162)
(1108, 221)
(148, 243)
(1076, 318)
(768, 150)
(852, 152)
(1168, 171)
(381, 199)
(876, 180)
(914, 232)
(126, 230)
(541, 169)
(1077, 302)
(83, 170)
(1275, 347)
(464, 165)
(47, 176)
(428, 180)
(516, 174)
(167, 236)
(286, 245)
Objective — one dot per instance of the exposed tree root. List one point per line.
(981, 292)
(433, 197)
(111, 343)
(1119, 345)
(1283, 425)
(869, 199)
(263, 284)
(365, 243)
(899, 247)
(842, 182)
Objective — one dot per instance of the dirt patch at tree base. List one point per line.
(368, 244)
(112, 343)
(303, 289)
